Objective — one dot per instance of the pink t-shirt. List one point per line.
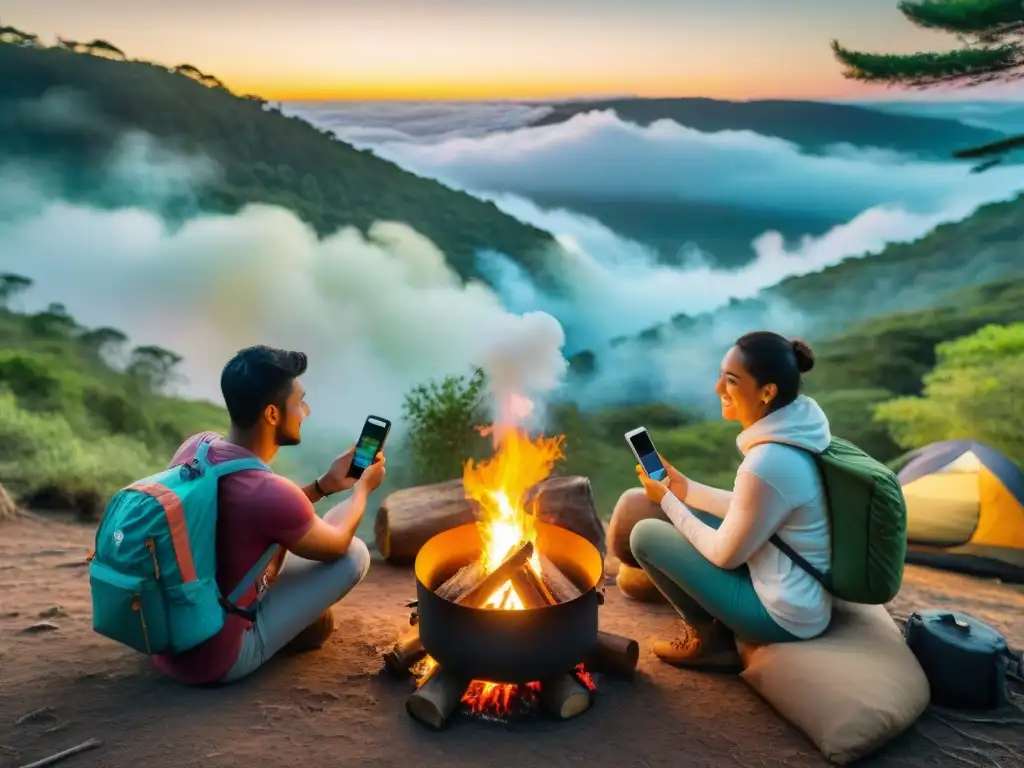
(255, 509)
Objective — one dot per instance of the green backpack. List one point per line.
(868, 520)
(153, 574)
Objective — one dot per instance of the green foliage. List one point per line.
(262, 155)
(926, 68)
(975, 391)
(991, 28)
(894, 352)
(993, 35)
(442, 419)
(43, 460)
(73, 429)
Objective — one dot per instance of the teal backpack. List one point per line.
(153, 574)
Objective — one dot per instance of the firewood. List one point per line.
(408, 518)
(436, 698)
(564, 697)
(614, 655)
(408, 650)
(482, 591)
(461, 582)
(530, 588)
(557, 582)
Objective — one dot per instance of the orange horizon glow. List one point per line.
(710, 86)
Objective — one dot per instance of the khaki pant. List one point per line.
(295, 604)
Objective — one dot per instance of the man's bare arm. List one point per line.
(329, 538)
(312, 493)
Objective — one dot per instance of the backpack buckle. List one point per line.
(249, 614)
(191, 470)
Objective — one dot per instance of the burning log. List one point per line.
(408, 650)
(480, 593)
(407, 519)
(564, 697)
(615, 655)
(434, 701)
(458, 585)
(530, 588)
(557, 583)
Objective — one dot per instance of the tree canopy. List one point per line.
(992, 37)
(992, 32)
(974, 391)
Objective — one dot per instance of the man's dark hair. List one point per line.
(257, 377)
(774, 359)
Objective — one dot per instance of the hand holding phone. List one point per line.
(370, 443)
(646, 455)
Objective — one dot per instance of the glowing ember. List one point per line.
(499, 700)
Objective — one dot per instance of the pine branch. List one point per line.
(969, 66)
(963, 16)
(994, 152)
(999, 147)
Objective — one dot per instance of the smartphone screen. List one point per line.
(370, 443)
(645, 452)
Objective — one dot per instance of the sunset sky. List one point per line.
(458, 49)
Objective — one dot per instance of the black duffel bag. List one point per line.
(965, 660)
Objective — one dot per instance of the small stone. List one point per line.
(39, 628)
(55, 612)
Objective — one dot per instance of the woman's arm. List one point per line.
(714, 501)
(756, 511)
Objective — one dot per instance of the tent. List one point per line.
(965, 509)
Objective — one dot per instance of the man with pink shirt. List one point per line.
(319, 560)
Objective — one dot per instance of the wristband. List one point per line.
(316, 484)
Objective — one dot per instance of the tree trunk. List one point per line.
(8, 509)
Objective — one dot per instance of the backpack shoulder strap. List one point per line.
(252, 574)
(822, 578)
(799, 559)
(220, 470)
(202, 458)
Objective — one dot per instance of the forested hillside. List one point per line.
(92, 97)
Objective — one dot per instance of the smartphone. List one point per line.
(371, 442)
(646, 455)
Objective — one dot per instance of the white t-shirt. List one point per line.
(778, 490)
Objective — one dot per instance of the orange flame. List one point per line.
(499, 486)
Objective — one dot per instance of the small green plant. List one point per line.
(442, 421)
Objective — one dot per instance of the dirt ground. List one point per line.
(61, 684)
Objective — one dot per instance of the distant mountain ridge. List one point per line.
(812, 125)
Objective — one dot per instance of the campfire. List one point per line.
(506, 615)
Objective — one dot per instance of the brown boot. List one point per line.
(313, 636)
(711, 650)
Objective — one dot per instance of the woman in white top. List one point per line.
(718, 567)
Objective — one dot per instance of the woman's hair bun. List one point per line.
(804, 355)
